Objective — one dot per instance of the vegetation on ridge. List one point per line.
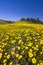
(32, 20)
(28, 20)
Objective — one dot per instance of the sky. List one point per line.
(17, 9)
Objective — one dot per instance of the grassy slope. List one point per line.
(4, 21)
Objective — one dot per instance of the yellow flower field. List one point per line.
(21, 44)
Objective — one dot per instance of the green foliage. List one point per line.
(22, 19)
(32, 20)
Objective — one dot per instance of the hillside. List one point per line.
(31, 21)
(4, 22)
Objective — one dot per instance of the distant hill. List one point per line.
(4, 21)
(23, 20)
(32, 20)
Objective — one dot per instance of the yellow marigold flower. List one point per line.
(8, 56)
(3, 43)
(38, 64)
(22, 51)
(12, 52)
(33, 60)
(2, 46)
(19, 41)
(30, 50)
(30, 44)
(5, 53)
(0, 49)
(4, 60)
(20, 57)
(13, 41)
(41, 53)
(41, 63)
(25, 34)
(11, 63)
(0, 55)
(18, 47)
(22, 42)
(41, 42)
(30, 54)
(17, 55)
(35, 39)
(26, 47)
(35, 48)
(4, 64)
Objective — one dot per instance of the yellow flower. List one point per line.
(8, 56)
(26, 47)
(35, 48)
(11, 63)
(19, 41)
(17, 55)
(18, 47)
(0, 55)
(0, 49)
(38, 64)
(29, 44)
(41, 53)
(4, 64)
(22, 42)
(4, 60)
(41, 42)
(2, 46)
(41, 63)
(22, 51)
(5, 53)
(30, 50)
(13, 41)
(30, 54)
(35, 39)
(33, 60)
(12, 52)
(20, 57)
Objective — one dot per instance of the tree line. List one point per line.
(33, 20)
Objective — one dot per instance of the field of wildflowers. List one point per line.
(21, 44)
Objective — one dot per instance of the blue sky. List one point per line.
(16, 9)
